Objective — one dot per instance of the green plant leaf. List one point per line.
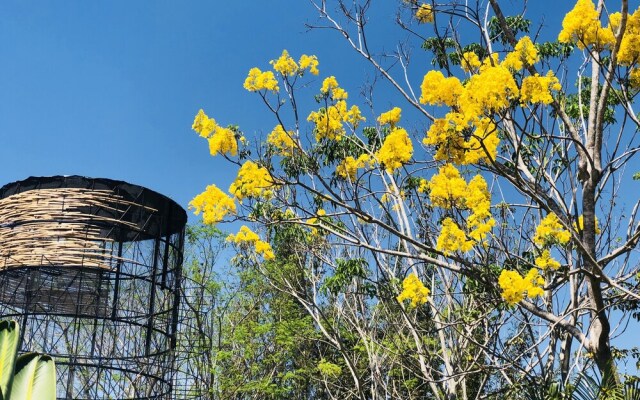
(35, 378)
(9, 335)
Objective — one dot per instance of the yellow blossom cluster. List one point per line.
(396, 150)
(246, 237)
(214, 204)
(330, 87)
(582, 26)
(252, 181)
(478, 201)
(488, 91)
(491, 89)
(523, 54)
(514, 286)
(550, 231)
(629, 52)
(470, 61)
(452, 238)
(451, 145)
(438, 90)
(329, 121)
(537, 89)
(447, 189)
(348, 168)
(634, 77)
(545, 261)
(287, 66)
(258, 80)
(310, 63)
(413, 289)
(221, 140)
(424, 13)
(391, 117)
(282, 140)
(203, 124)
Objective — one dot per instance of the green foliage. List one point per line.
(30, 376)
(328, 369)
(516, 24)
(547, 50)
(344, 275)
(439, 46)
(577, 104)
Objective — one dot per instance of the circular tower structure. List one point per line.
(91, 270)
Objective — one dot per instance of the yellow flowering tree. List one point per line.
(458, 226)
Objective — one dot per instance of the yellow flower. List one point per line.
(438, 90)
(524, 53)
(282, 141)
(285, 65)
(396, 150)
(449, 141)
(413, 289)
(469, 61)
(391, 117)
(478, 200)
(223, 141)
(551, 231)
(514, 286)
(329, 84)
(488, 91)
(203, 124)
(545, 261)
(310, 62)
(354, 116)
(214, 204)
(247, 238)
(492, 60)
(252, 181)
(329, 120)
(423, 186)
(258, 80)
(483, 143)
(634, 78)
(452, 238)
(424, 13)
(537, 89)
(582, 26)
(348, 168)
(447, 188)
(629, 52)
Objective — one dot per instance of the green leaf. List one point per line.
(35, 378)
(9, 335)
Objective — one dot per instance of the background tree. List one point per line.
(474, 265)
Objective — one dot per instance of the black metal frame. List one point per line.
(112, 330)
